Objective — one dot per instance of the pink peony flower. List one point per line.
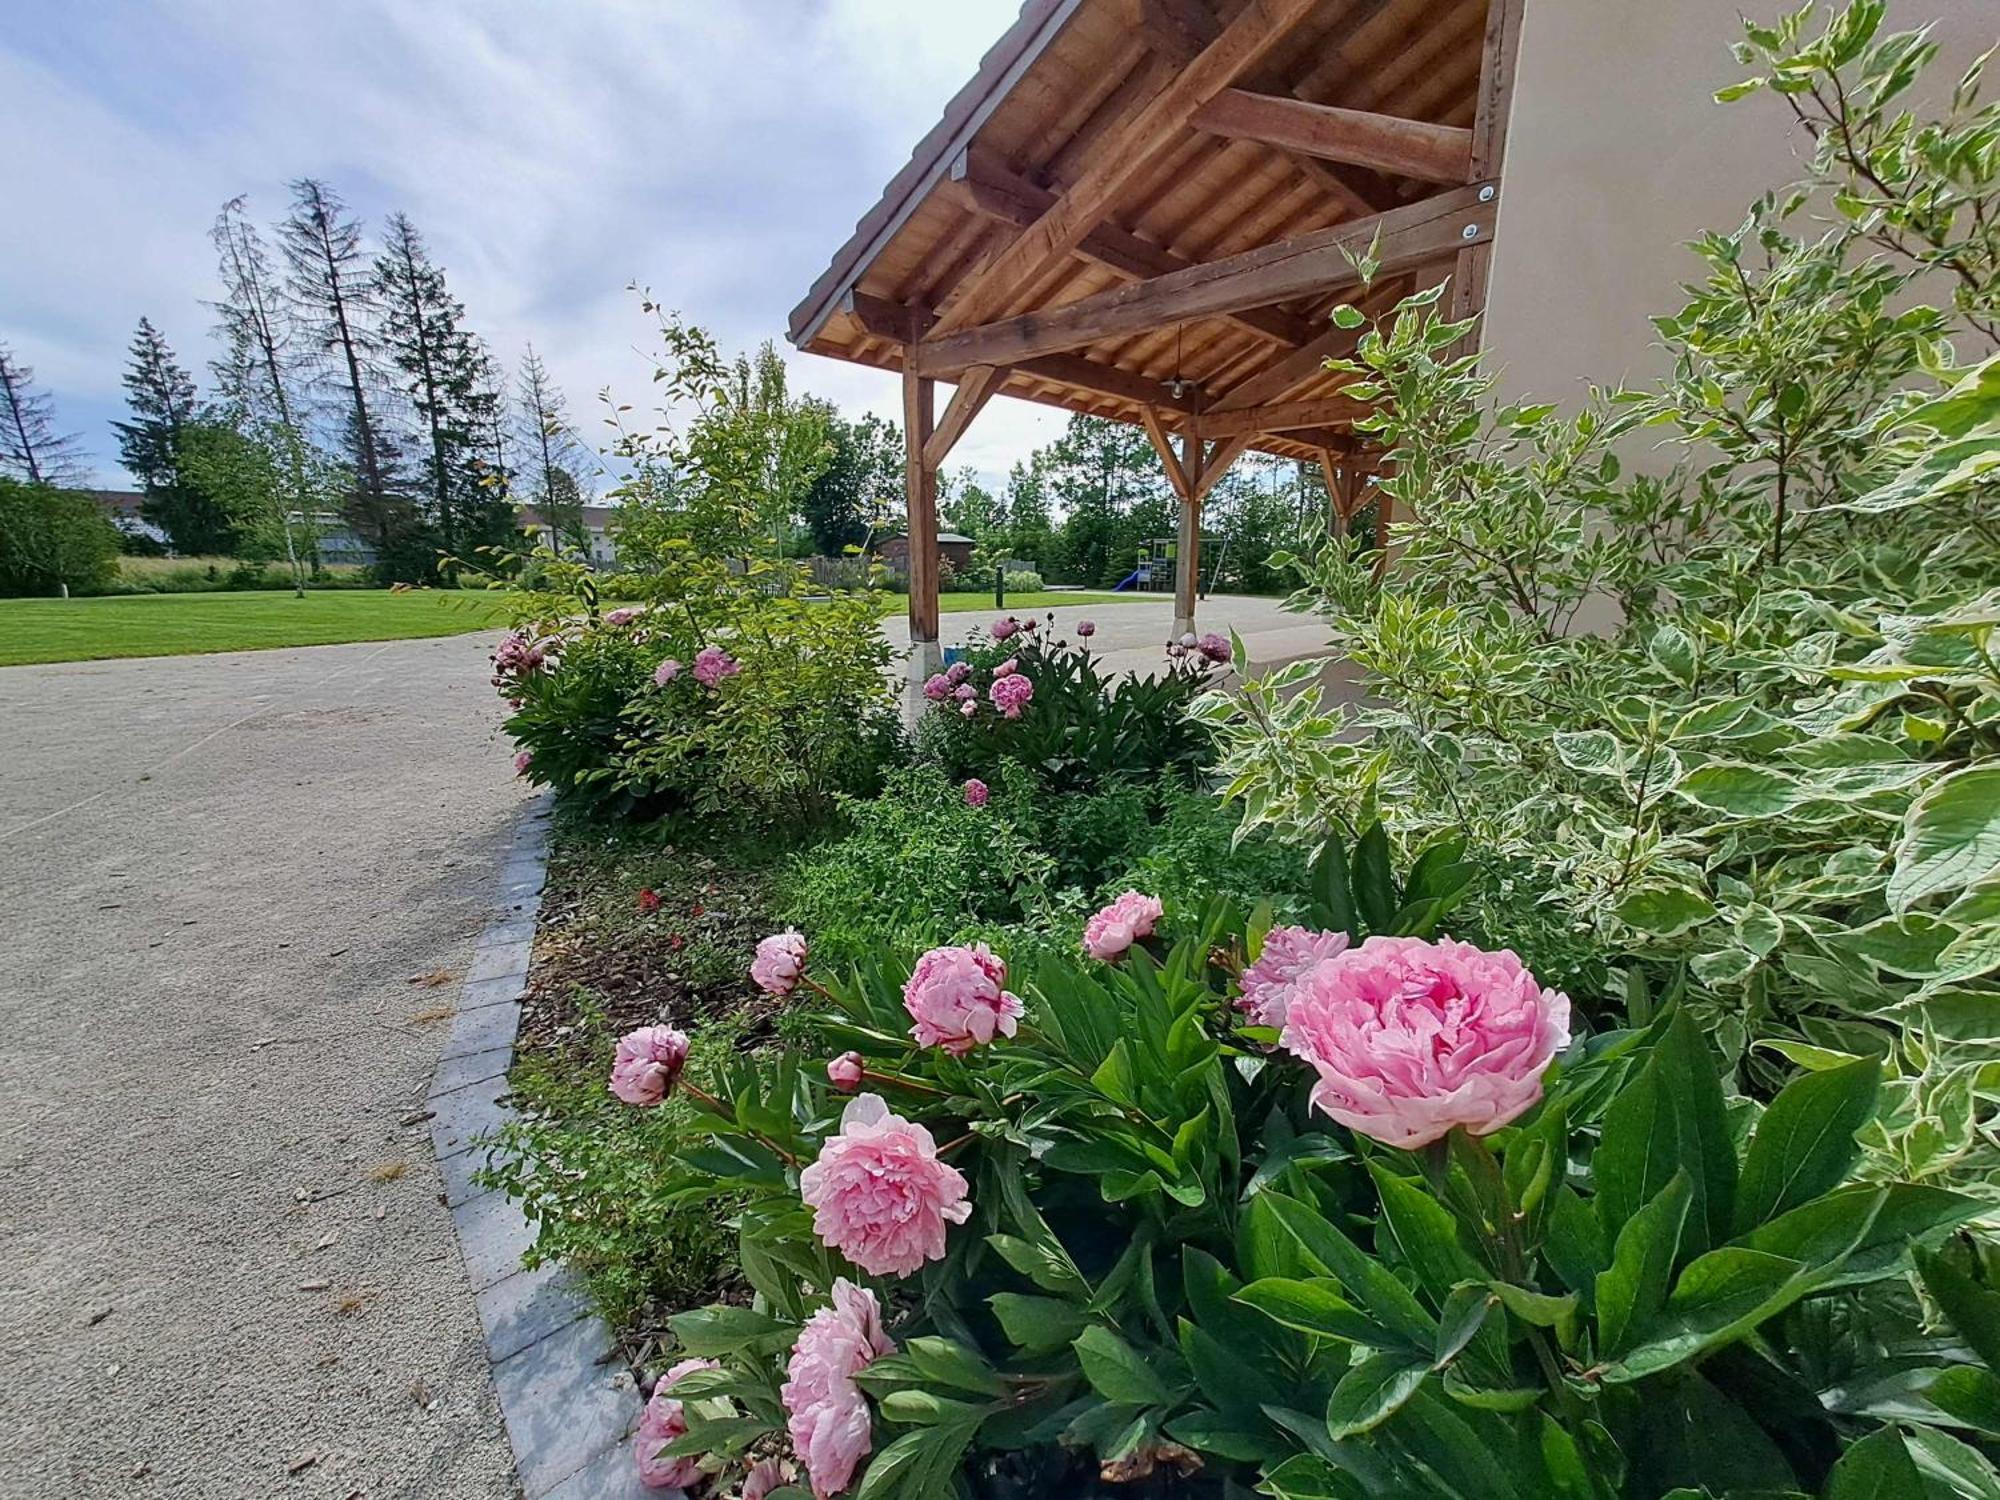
(1175, 650)
(1121, 924)
(1188, 641)
(845, 1072)
(522, 761)
(1215, 647)
(968, 708)
(958, 671)
(621, 616)
(879, 1194)
(1004, 627)
(666, 672)
(827, 1414)
(1086, 628)
(1006, 668)
(1410, 1038)
(976, 792)
(964, 691)
(664, 1422)
(648, 1064)
(780, 960)
(1288, 953)
(937, 687)
(955, 996)
(1011, 694)
(766, 1475)
(712, 664)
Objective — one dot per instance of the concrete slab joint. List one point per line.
(569, 1406)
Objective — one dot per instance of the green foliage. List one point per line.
(1638, 1287)
(1083, 727)
(53, 541)
(1729, 727)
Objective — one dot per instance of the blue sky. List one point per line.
(552, 151)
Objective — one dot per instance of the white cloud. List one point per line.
(551, 151)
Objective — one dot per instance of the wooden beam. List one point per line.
(1124, 153)
(903, 323)
(1287, 416)
(1219, 457)
(975, 388)
(989, 187)
(1177, 469)
(1405, 148)
(1179, 29)
(920, 494)
(1108, 380)
(1309, 265)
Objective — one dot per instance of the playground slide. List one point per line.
(1127, 581)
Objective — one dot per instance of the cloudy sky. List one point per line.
(552, 151)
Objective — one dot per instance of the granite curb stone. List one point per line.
(569, 1405)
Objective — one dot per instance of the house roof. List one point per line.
(1108, 152)
(595, 517)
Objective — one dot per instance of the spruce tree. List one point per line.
(153, 447)
(30, 446)
(447, 376)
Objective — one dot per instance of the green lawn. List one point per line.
(40, 630)
(43, 630)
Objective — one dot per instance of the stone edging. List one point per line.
(569, 1405)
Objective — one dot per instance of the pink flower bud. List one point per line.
(975, 793)
(1086, 628)
(845, 1072)
(1112, 932)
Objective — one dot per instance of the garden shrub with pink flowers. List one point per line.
(1216, 1208)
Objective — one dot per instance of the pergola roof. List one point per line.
(1131, 191)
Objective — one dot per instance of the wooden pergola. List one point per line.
(1146, 209)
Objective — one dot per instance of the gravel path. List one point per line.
(224, 1269)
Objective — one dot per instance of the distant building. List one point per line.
(121, 509)
(597, 520)
(954, 551)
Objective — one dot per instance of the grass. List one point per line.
(48, 630)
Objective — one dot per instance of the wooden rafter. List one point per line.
(1310, 264)
(989, 187)
(1163, 444)
(1407, 148)
(1129, 148)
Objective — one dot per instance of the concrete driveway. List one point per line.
(226, 1270)
(1131, 636)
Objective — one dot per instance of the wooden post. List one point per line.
(920, 492)
(1187, 564)
(1498, 57)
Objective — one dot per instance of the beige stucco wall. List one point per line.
(1617, 155)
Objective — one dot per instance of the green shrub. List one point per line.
(1080, 730)
(803, 714)
(53, 541)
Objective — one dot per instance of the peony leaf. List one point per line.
(1876, 1468)
(1116, 1371)
(1370, 1392)
(1805, 1141)
(1642, 1266)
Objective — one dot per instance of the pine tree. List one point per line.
(329, 289)
(30, 446)
(154, 443)
(554, 454)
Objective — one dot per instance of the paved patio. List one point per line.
(228, 1272)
